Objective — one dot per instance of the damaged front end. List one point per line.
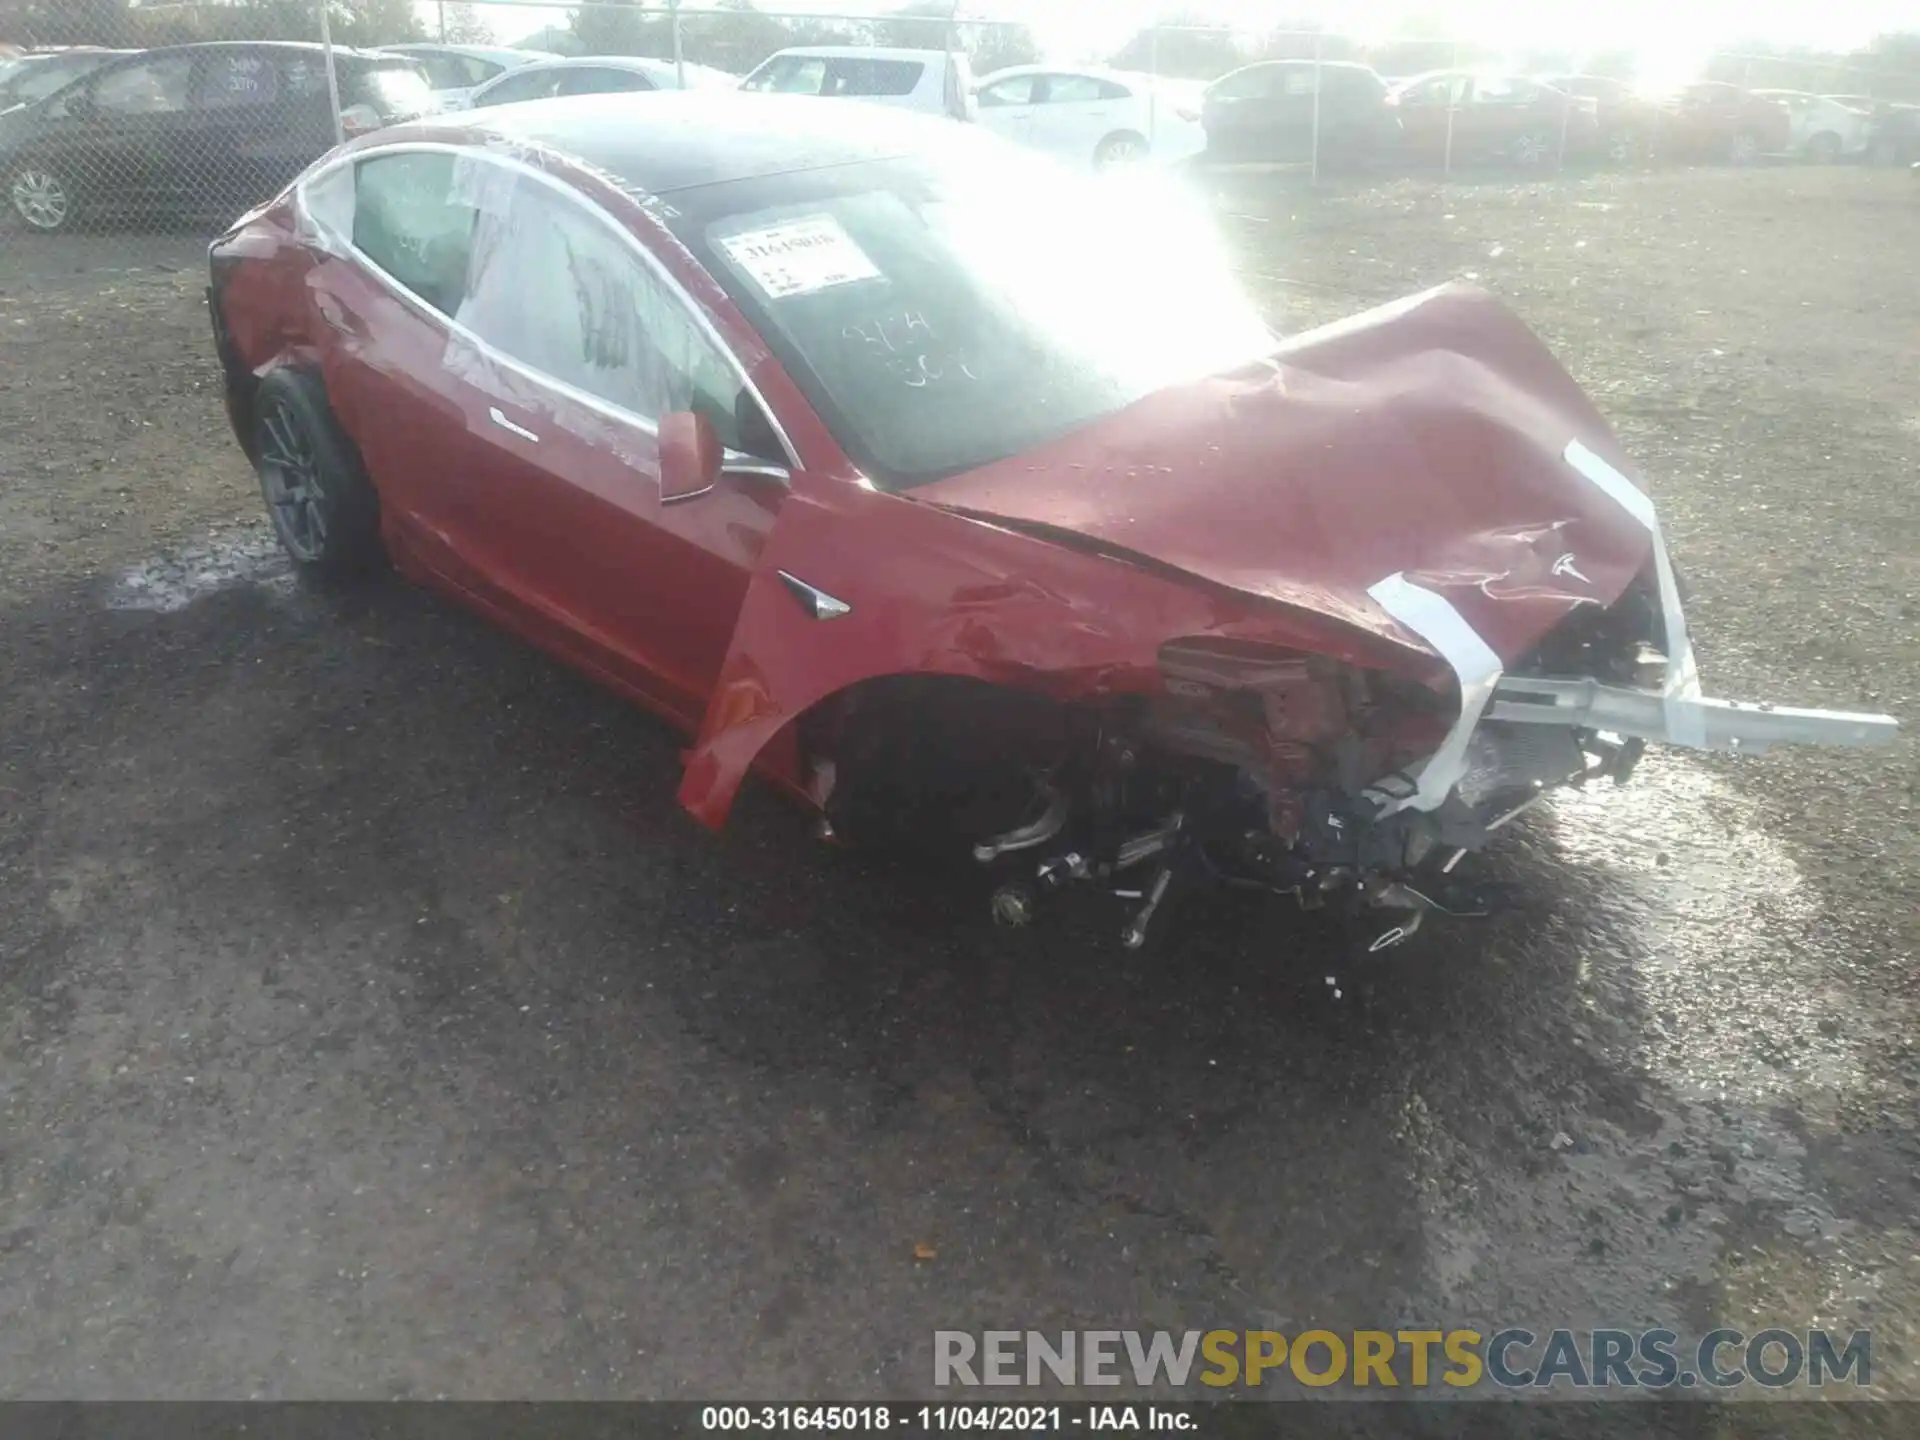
(1322, 627)
(1298, 775)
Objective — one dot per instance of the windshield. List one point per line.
(400, 89)
(37, 78)
(944, 313)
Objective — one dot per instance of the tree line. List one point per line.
(739, 37)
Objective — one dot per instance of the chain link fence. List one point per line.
(117, 110)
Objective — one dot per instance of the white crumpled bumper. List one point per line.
(1675, 714)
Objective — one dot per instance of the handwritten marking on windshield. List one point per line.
(907, 360)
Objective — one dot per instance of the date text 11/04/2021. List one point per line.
(948, 1417)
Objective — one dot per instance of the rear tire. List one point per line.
(323, 507)
(1744, 148)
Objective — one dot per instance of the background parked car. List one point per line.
(1896, 135)
(1823, 130)
(1263, 113)
(1715, 121)
(193, 131)
(1625, 120)
(34, 77)
(456, 71)
(1089, 117)
(1505, 118)
(593, 75)
(935, 81)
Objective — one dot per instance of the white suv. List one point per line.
(936, 81)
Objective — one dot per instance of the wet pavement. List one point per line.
(377, 1025)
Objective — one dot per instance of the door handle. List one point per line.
(493, 412)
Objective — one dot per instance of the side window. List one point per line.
(444, 71)
(1072, 89)
(555, 287)
(1503, 91)
(304, 76)
(153, 87)
(1298, 81)
(790, 75)
(1014, 90)
(1355, 89)
(407, 220)
(327, 202)
(523, 85)
(602, 80)
(235, 79)
(480, 71)
(872, 77)
(1248, 84)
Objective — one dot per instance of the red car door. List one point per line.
(567, 346)
(391, 253)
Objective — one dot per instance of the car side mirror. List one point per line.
(690, 455)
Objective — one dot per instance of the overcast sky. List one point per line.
(1670, 28)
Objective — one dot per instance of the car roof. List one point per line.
(857, 52)
(653, 69)
(669, 140)
(1298, 64)
(641, 64)
(299, 47)
(1096, 72)
(505, 53)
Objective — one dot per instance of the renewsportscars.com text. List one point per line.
(1510, 1359)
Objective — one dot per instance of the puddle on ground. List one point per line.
(175, 580)
(1732, 962)
(1705, 965)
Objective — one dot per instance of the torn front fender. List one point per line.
(856, 584)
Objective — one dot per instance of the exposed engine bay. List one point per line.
(1253, 767)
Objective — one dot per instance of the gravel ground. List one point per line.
(372, 1023)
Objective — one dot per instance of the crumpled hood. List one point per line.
(1427, 437)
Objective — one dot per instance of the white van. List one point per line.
(936, 81)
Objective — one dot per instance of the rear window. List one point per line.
(847, 75)
(396, 89)
(454, 72)
(236, 79)
(536, 82)
(602, 80)
(1247, 84)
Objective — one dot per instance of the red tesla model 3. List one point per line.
(960, 495)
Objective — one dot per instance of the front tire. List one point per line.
(42, 198)
(1823, 149)
(1532, 150)
(323, 508)
(1121, 148)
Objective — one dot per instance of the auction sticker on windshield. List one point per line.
(797, 257)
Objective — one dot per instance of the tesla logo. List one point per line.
(1566, 565)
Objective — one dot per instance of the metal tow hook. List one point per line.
(1135, 935)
